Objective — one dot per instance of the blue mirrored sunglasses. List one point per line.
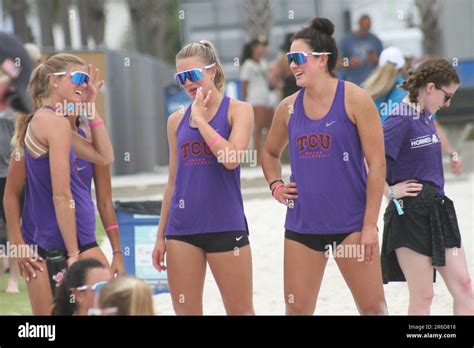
(301, 57)
(77, 77)
(192, 75)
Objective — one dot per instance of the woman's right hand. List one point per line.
(286, 193)
(158, 256)
(30, 264)
(407, 188)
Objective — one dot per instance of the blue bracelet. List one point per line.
(396, 202)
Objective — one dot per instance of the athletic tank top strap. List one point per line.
(33, 144)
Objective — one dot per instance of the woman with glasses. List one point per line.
(79, 287)
(60, 215)
(202, 216)
(332, 204)
(421, 233)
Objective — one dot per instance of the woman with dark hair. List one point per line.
(331, 126)
(81, 282)
(421, 233)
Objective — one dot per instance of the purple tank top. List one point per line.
(85, 174)
(27, 226)
(207, 196)
(85, 169)
(327, 164)
(47, 233)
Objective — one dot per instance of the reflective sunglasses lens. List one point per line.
(79, 78)
(298, 58)
(97, 287)
(192, 75)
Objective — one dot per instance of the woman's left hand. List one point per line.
(94, 85)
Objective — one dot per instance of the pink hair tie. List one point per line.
(96, 123)
(111, 227)
(214, 141)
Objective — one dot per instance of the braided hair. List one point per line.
(437, 71)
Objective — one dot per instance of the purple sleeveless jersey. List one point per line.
(41, 206)
(327, 165)
(207, 196)
(85, 171)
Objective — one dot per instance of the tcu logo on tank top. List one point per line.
(196, 152)
(315, 145)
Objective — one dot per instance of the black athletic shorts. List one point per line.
(43, 253)
(317, 242)
(215, 242)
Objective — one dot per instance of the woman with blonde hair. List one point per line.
(202, 216)
(125, 296)
(58, 216)
(383, 84)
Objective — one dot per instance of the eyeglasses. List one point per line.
(300, 57)
(192, 75)
(447, 96)
(95, 287)
(103, 311)
(77, 77)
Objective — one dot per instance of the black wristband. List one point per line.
(274, 181)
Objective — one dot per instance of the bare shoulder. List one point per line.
(285, 107)
(289, 101)
(238, 106)
(175, 119)
(46, 121)
(354, 93)
(356, 100)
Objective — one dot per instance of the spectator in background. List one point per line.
(124, 296)
(383, 84)
(280, 74)
(83, 280)
(34, 53)
(362, 48)
(15, 71)
(256, 90)
(14, 75)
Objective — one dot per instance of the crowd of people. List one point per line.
(358, 126)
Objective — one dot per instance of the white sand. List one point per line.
(266, 218)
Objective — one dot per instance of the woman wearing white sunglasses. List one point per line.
(60, 215)
(333, 206)
(202, 216)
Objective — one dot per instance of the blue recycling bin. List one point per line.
(138, 225)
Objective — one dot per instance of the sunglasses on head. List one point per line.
(95, 287)
(77, 77)
(301, 57)
(192, 75)
(447, 96)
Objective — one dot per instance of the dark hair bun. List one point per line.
(322, 25)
